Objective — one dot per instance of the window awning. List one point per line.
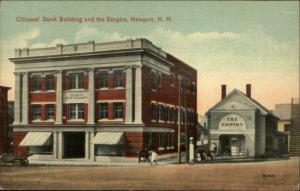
(108, 138)
(36, 139)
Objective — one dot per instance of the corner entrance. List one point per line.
(232, 145)
(74, 145)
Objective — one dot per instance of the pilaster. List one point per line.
(25, 98)
(91, 99)
(17, 106)
(128, 113)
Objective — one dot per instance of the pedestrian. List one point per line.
(154, 157)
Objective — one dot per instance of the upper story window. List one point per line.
(36, 112)
(49, 82)
(37, 83)
(159, 79)
(173, 80)
(118, 78)
(76, 111)
(118, 110)
(154, 111)
(49, 112)
(103, 79)
(286, 127)
(161, 112)
(154, 80)
(175, 114)
(161, 139)
(103, 110)
(76, 81)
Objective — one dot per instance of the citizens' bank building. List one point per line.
(101, 100)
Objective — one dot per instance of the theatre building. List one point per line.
(240, 126)
(100, 100)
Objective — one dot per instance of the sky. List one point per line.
(227, 42)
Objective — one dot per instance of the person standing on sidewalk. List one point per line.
(154, 157)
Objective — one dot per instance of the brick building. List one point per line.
(94, 100)
(3, 119)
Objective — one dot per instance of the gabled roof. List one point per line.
(254, 103)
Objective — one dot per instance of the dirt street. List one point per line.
(275, 175)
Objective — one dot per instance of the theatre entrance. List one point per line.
(232, 145)
(74, 144)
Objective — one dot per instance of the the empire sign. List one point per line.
(232, 121)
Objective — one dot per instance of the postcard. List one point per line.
(149, 95)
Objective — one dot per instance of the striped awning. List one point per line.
(108, 138)
(36, 139)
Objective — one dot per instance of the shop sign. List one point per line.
(76, 97)
(232, 121)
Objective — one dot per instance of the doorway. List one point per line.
(74, 145)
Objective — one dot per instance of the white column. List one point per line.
(60, 145)
(25, 98)
(92, 147)
(55, 156)
(128, 112)
(59, 98)
(17, 107)
(138, 95)
(87, 145)
(91, 104)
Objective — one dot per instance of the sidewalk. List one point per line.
(162, 160)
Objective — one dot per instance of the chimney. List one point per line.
(248, 90)
(223, 91)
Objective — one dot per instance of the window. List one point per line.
(37, 83)
(154, 111)
(76, 81)
(175, 115)
(76, 111)
(36, 109)
(103, 110)
(118, 78)
(72, 111)
(281, 140)
(72, 81)
(49, 112)
(161, 112)
(161, 139)
(169, 112)
(170, 139)
(154, 81)
(80, 111)
(173, 79)
(118, 110)
(49, 82)
(286, 127)
(159, 79)
(103, 79)
(80, 81)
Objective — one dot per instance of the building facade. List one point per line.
(94, 100)
(283, 112)
(3, 119)
(294, 149)
(240, 126)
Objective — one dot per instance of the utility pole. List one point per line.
(185, 128)
(179, 120)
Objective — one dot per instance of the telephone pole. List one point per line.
(179, 120)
